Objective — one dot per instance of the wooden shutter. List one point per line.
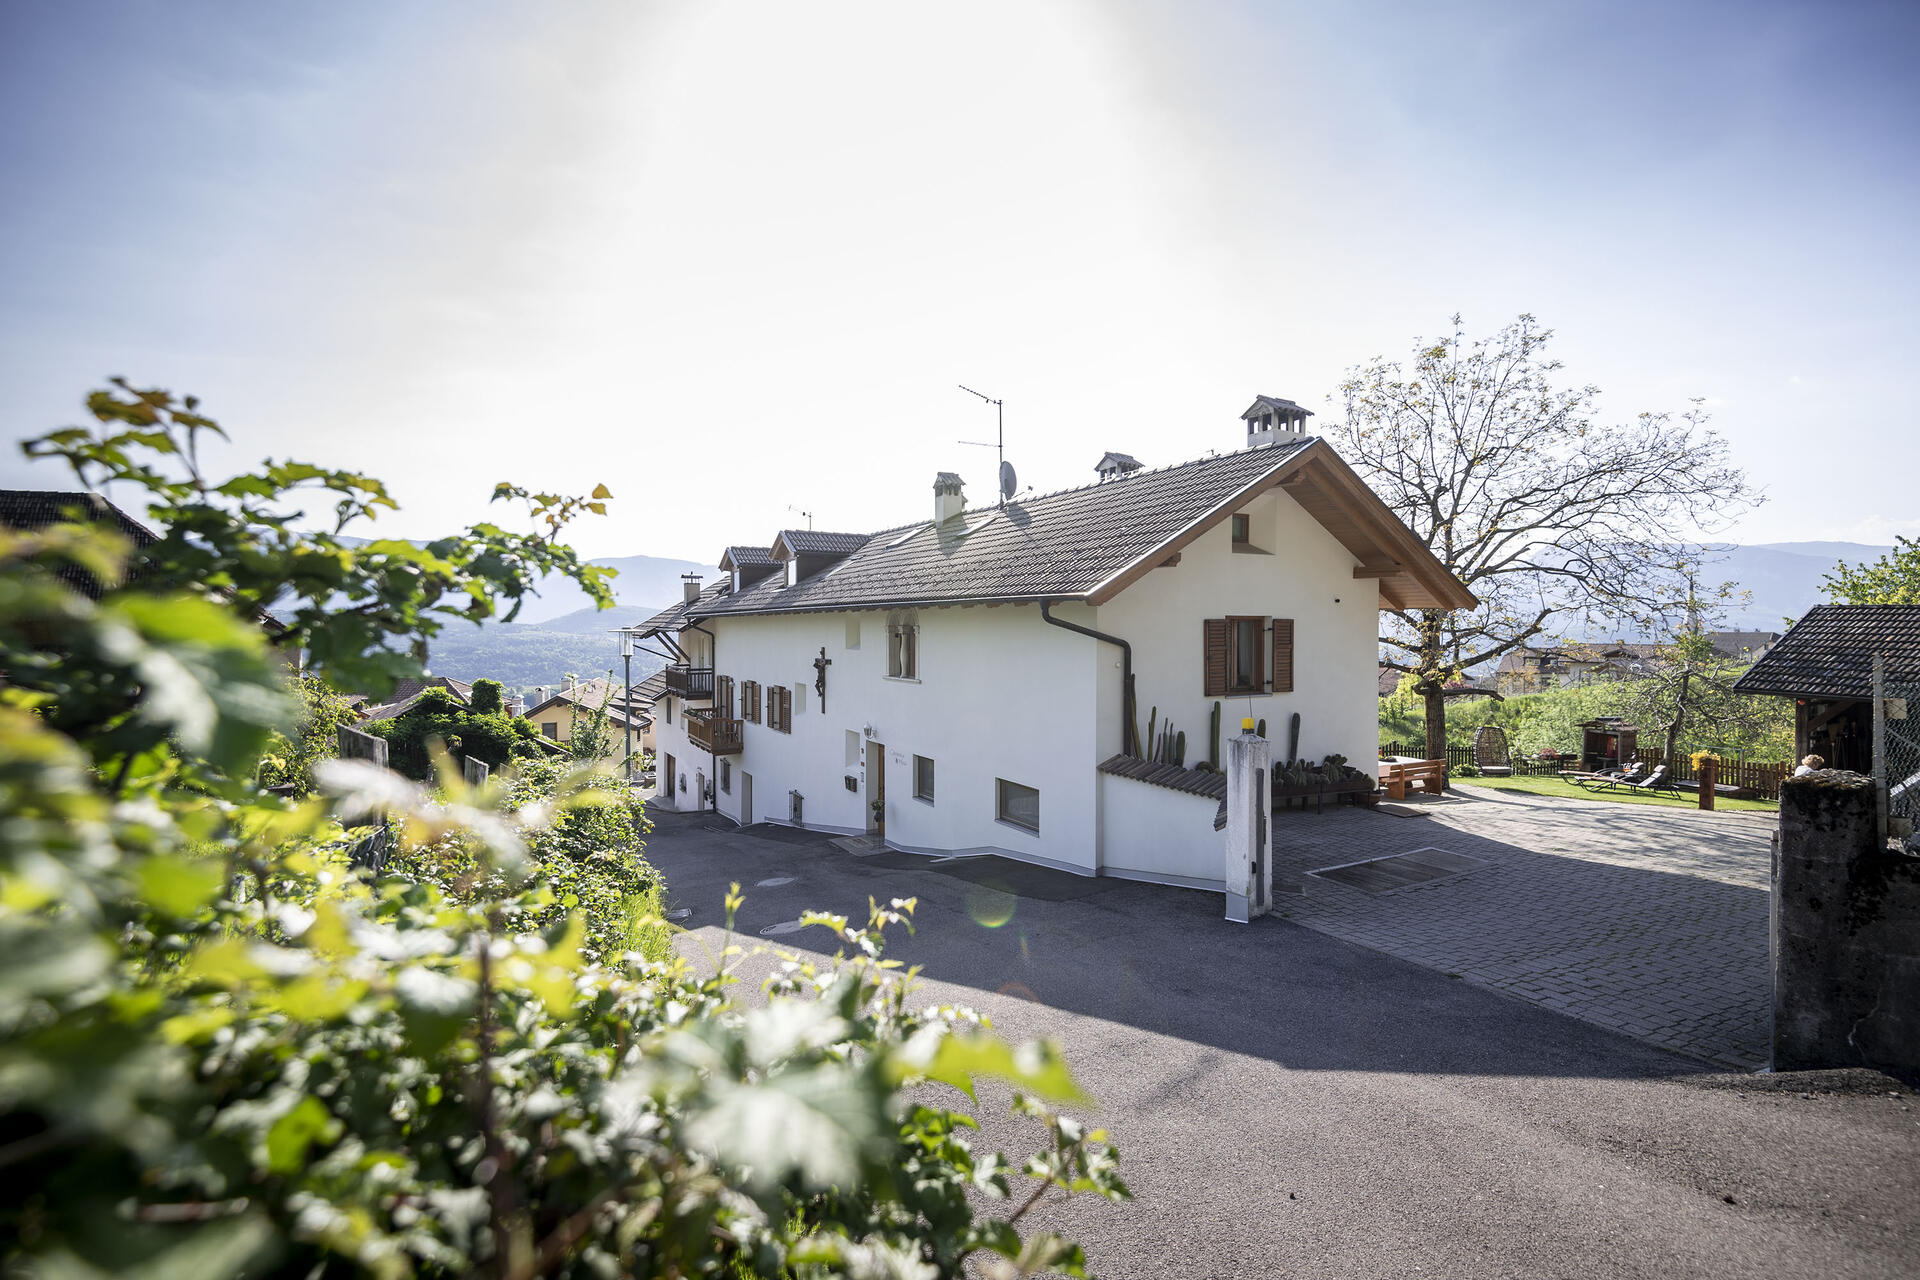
(786, 707)
(1283, 655)
(1214, 658)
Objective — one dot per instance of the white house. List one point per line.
(977, 681)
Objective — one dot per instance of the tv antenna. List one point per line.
(808, 514)
(999, 446)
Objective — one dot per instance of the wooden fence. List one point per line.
(1762, 777)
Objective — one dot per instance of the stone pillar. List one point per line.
(1249, 853)
(1845, 931)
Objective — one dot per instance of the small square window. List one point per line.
(923, 779)
(1017, 805)
(1242, 530)
(551, 728)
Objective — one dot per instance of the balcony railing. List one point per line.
(690, 682)
(714, 732)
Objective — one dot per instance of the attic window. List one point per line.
(1242, 530)
(905, 537)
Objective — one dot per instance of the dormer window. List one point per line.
(793, 572)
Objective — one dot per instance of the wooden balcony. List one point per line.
(690, 682)
(713, 732)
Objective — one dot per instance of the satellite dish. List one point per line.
(1007, 482)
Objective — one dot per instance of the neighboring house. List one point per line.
(408, 691)
(1825, 664)
(1743, 646)
(555, 716)
(1530, 670)
(975, 681)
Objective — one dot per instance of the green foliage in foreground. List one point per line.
(493, 737)
(225, 1050)
(1757, 728)
(1892, 579)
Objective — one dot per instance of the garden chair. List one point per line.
(1611, 779)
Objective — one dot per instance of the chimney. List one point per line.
(947, 501)
(1272, 420)
(689, 587)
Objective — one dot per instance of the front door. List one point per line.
(746, 799)
(876, 788)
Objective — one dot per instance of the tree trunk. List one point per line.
(1673, 726)
(1433, 685)
(1436, 721)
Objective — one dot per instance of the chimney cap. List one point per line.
(1267, 404)
(1113, 464)
(947, 482)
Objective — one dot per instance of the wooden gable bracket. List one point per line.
(1170, 561)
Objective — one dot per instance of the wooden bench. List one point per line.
(1429, 775)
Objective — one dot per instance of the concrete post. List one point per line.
(1249, 853)
(1845, 931)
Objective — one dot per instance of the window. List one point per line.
(669, 703)
(1017, 805)
(853, 633)
(903, 651)
(800, 698)
(923, 779)
(726, 775)
(793, 572)
(780, 708)
(1233, 657)
(723, 690)
(750, 701)
(551, 728)
(853, 748)
(1242, 530)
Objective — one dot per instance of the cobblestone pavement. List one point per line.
(1648, 921)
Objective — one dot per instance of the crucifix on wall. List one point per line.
(820, 665)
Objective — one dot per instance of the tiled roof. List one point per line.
(650, 690)
(590, 694)
(1829, 653)
(741, 556)
(815, 542)
(30, 509)
(1194, 782)
(673, 617)
(1048, 547)
(1736, 644)
(1275, 402)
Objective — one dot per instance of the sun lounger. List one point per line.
(1607, 779)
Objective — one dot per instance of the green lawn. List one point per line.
(1560, 787)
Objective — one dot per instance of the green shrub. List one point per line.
(494, 738)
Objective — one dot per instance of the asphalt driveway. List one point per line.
(1290, 1103)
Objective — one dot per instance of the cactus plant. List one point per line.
(1293, 738)
(1153, 738)
(1138, 747)
(1213, 738)
(1180, 749)
(1262, 730)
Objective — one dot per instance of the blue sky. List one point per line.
(732, 259)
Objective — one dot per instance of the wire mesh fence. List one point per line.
(1901, 727)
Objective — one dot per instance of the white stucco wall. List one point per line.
(1164, 836)
(1335, 663)
(1000, 695)
(1003, 695)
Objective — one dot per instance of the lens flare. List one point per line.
(991, 903)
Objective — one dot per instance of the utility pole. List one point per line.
(626, 700)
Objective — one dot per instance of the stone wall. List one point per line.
(1846, 932)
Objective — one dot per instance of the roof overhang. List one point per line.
(1317, 478)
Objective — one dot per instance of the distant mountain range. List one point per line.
(559, 632)
(1784, 578)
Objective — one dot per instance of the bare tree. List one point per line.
(1689, 683)
(1549, 517)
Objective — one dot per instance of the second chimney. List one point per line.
(947, 499)
(689, 587)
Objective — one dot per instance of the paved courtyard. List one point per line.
(1648, 921)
